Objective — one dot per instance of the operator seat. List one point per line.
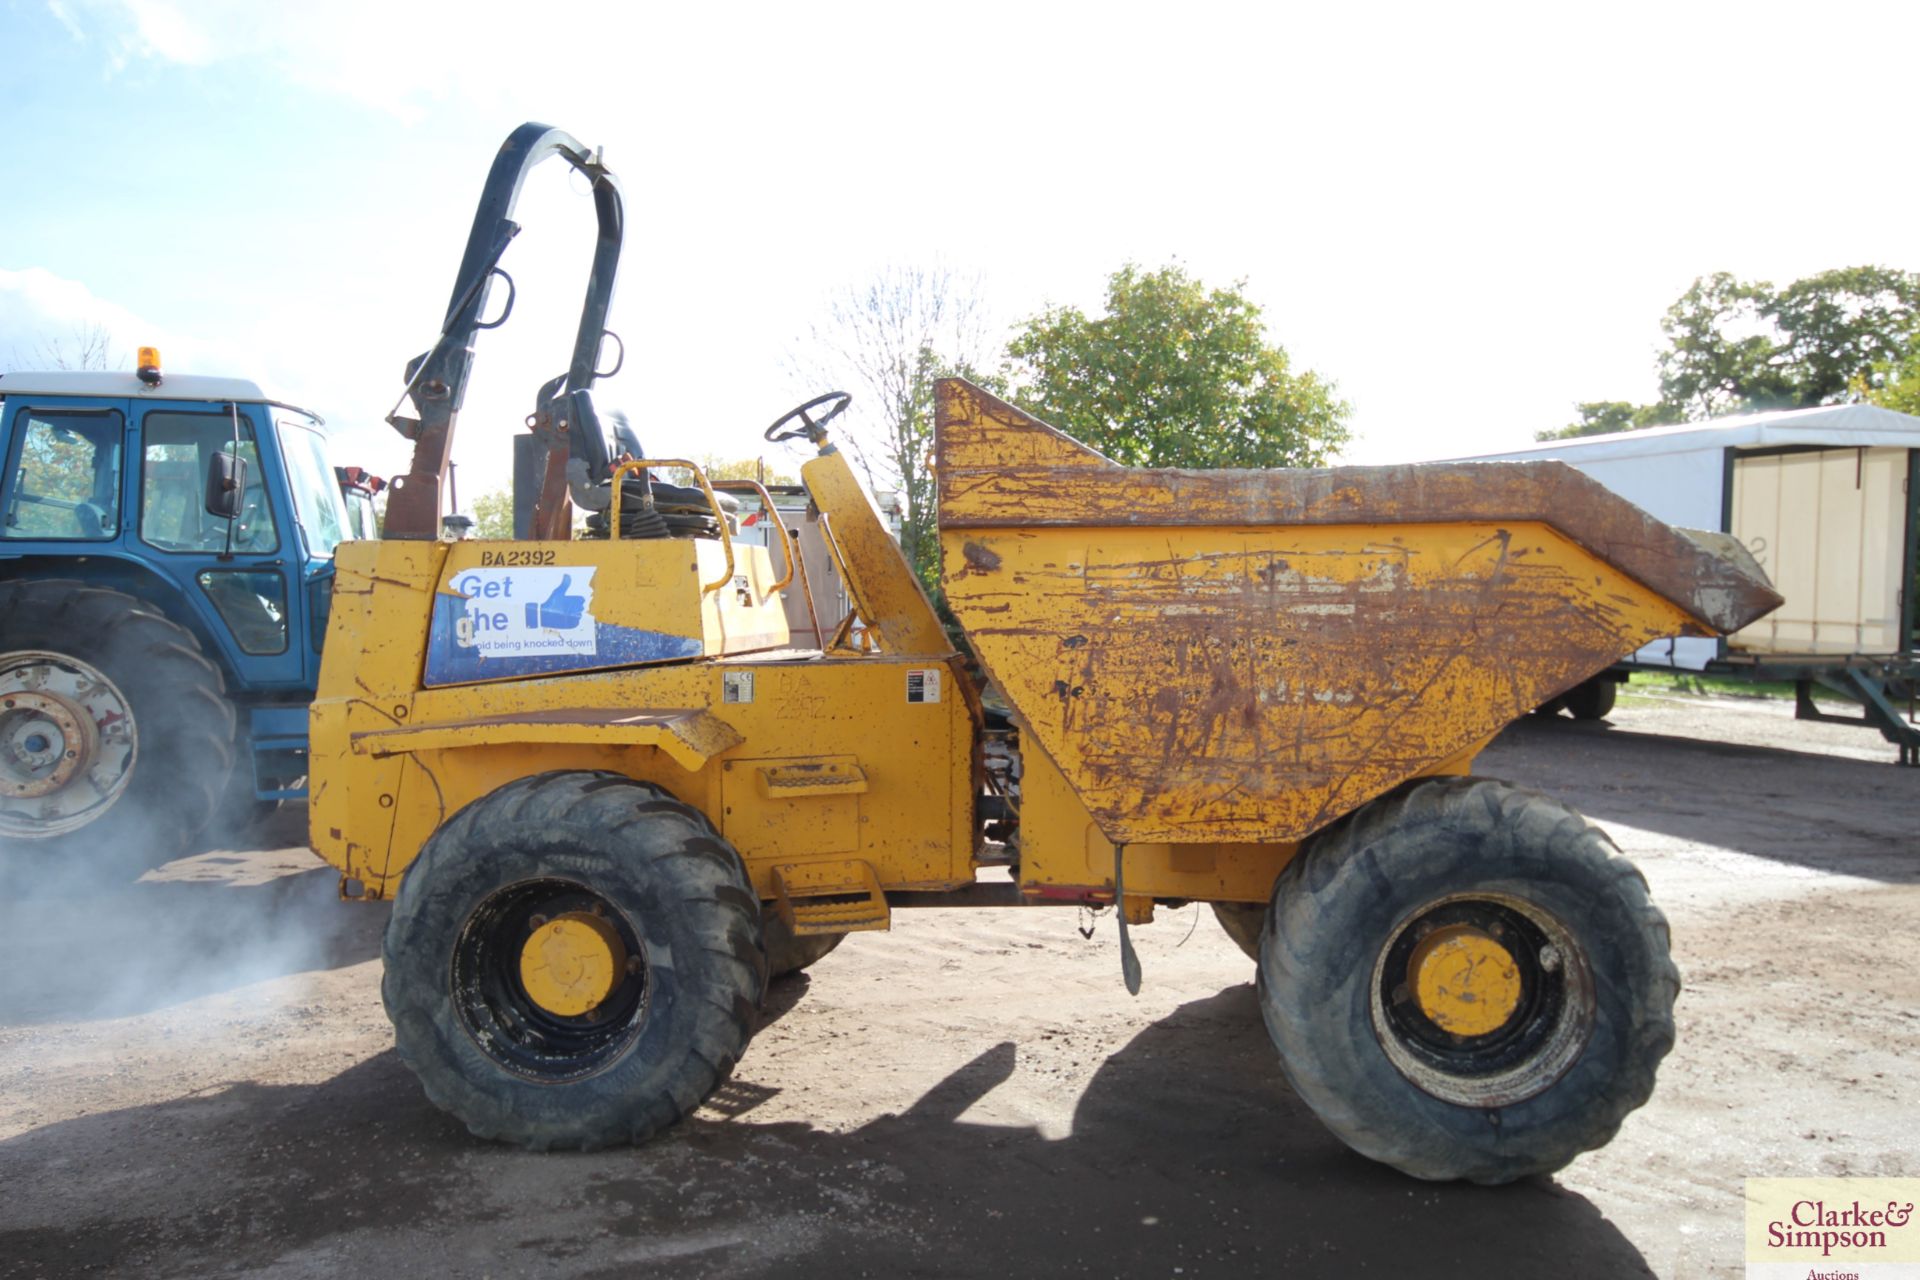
(650, 509)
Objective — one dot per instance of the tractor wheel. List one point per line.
(788, 952)
(116, 735)
(1465, 980)
(1592, 700)
(574, 961)
(1243, 922)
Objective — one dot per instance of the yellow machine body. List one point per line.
(1205, 668)
(615, 793)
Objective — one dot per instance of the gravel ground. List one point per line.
(196, 1077)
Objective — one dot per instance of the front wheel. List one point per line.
(1465, 980)
(574, 961)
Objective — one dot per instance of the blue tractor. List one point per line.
(166, 567)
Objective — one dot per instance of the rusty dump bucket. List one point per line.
(1247, 655)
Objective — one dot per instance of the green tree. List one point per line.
(1841, 326)
(719, 468)
(493, 515)
(1174, 374)
(1736, 346)
(1897, 382)
(1721, 351)
(1604, 417)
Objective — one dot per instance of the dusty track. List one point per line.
(196, 1077)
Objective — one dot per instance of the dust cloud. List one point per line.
(84, 942)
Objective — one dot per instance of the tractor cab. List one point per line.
(202, 499)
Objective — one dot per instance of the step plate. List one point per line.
(831, 897)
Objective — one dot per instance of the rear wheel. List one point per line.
(574, 961)
(115, 732)
(1465, 980)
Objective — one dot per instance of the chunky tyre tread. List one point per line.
(1495, 828)
(593, 807)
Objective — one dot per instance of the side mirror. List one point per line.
(226, 483)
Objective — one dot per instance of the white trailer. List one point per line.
(1826, 500)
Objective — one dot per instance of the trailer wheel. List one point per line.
(116, 735)
(788, 952)
(1465, 980)
(574, 961)
(1592, 700)
(1243, 922)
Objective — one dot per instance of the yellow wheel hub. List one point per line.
(572, 963)
(1464, 981)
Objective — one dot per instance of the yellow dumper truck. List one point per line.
(610, 799)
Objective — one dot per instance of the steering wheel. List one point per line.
(839, 400)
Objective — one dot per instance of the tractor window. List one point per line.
(173, 478)
(65, 473)
(316, 493)
(254, 604)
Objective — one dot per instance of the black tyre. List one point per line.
(1465, 980)
(1592, 700)
(788, 952)
(116, 735)
(574, 961)
(1243, 922)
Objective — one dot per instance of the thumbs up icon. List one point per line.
(559, 611)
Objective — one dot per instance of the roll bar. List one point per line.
(437, 379)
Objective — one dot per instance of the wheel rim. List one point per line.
(67, 744)
(550, 980)
(1482, 1000)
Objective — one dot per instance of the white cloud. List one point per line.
(43, 315)
(162, 31)
(1468, 217)
(40, 313)
(66, 19)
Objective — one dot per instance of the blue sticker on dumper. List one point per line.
(500, 622)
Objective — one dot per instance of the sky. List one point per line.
(1468, 217)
